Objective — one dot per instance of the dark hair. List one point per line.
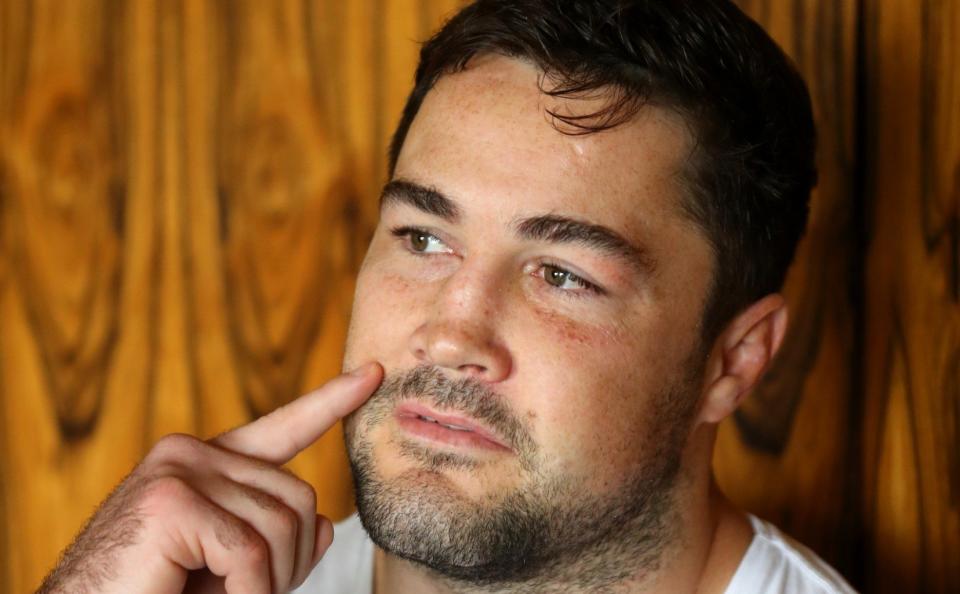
(753, 167)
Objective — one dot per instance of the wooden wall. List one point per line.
(789, 454)
(910, 493)
(187, 186)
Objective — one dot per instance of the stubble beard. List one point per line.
(549, 535)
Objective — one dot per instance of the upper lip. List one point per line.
(415, 409)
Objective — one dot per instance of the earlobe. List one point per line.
(741, 355)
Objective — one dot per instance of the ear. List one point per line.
(741, 355)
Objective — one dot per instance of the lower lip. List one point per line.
(437, 433)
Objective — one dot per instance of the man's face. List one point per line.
(550, 305)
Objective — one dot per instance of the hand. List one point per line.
(224, 506)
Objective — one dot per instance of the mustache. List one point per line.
(468, 396)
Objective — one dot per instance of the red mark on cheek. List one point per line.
(393, 283)
(569, 331)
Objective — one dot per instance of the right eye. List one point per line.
(419, 241)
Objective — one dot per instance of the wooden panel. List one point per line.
(187, 191)
(66, 238)
(187, 188)
(911, 496)
(789, 453)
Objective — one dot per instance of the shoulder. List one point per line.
(347, 566)
(776, 564)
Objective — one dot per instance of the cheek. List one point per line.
(383, 313)
(591, 389)
(577, 337)
(565, 332)
(579, 375)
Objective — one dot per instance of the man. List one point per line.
(591, 210)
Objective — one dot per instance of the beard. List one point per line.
(551, 530)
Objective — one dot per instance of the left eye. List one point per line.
(564, 279)
(421, 242)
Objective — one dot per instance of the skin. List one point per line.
(577, 366)
(215, 516)
(223, 515)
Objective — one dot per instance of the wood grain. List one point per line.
(63, 236)
(911, 461)
(62, 212)
(186, 192)
(187, 189)
(789, 454)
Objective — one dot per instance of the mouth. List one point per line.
(446, 429)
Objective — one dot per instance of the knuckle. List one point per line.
(240, 539)
(287, 522)
(303, 496)
(165, 493)
(252, 547)
(172, 447)
(282, 520)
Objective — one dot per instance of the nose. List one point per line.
(460, 333)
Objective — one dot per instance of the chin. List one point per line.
(434, 511)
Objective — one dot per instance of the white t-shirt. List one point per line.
(773, 564)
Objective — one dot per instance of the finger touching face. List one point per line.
(282, 434)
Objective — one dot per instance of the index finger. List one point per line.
(280, 435)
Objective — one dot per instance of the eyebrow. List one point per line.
(561, 229)
(429, 200)
(548, 228)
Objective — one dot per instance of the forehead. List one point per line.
(485, 134)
